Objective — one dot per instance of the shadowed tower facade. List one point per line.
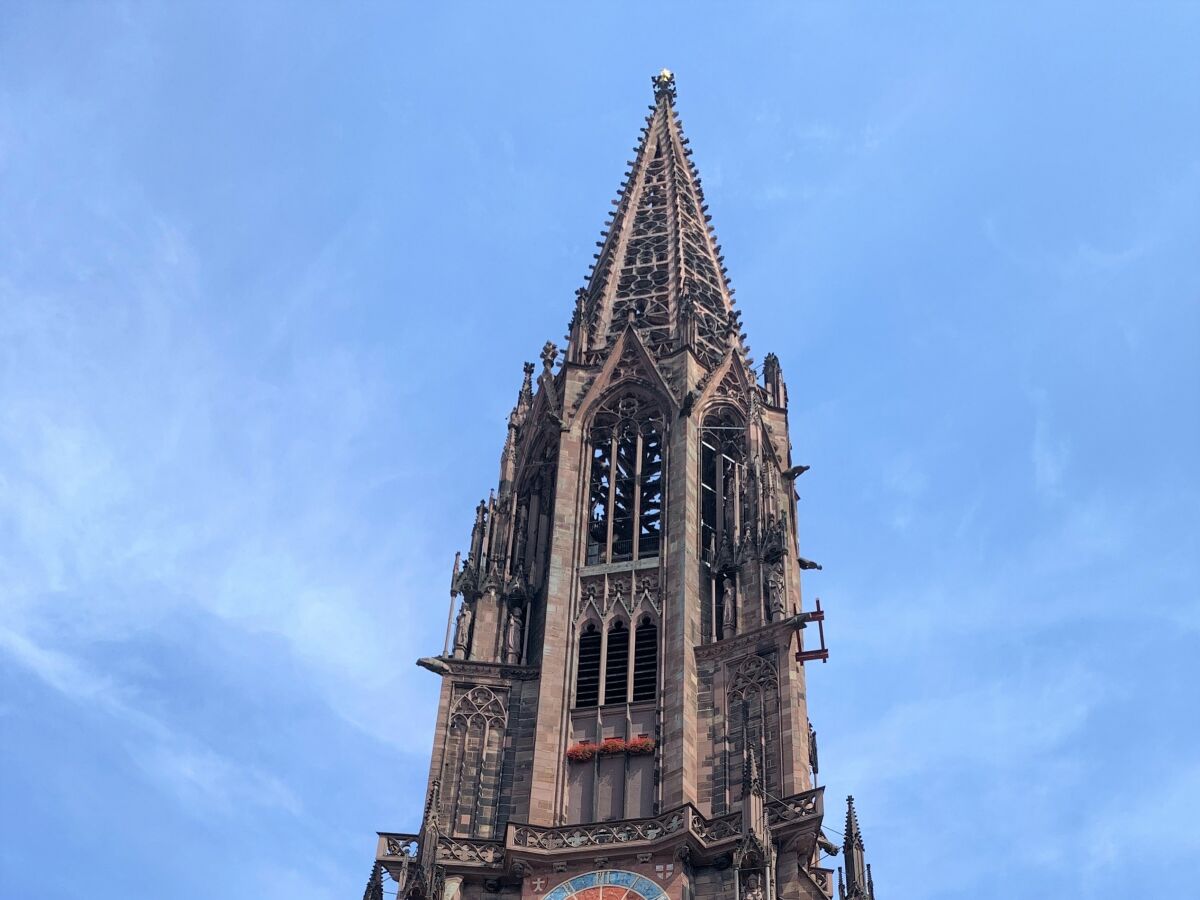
(622, 710)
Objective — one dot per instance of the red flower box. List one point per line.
(640, 746)
(582, 752)
(612, 747)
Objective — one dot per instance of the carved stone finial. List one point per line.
(751, 777)
(524, 401)
(549, 354)
(577, 312)
(664, 85)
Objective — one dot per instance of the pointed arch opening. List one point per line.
(472, 760)
(722, 480)
(625, 486)
(587, 672)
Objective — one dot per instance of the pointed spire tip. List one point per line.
(664, 86)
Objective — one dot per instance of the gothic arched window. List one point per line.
(722, 475)
(625, 483)
(472, 760)
(752, 716)
(722, 457)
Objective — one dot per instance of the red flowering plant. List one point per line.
(581, 752)
(613, 746)
(640, 746)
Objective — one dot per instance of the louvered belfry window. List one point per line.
(616, 664)
(611, 661)
(645, 661)
(587, 676)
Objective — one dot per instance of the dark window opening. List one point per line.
(616, 664)
(708, 500)
(625, 492)
(587, 677)
(624, 495)
(650, 496)
(645, 661)
(598, 502)
(722, 483)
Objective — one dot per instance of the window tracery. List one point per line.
(625, 493)
(722, 479)
(752, 714)
(643, 281)
(472, 761)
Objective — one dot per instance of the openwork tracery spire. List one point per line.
(659, 267)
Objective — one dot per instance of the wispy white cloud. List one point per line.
(145, 477)
(195, 775)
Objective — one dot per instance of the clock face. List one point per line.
(607, 884)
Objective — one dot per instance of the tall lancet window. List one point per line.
(625, 487)
(587, 674)
(722, 474)
(645, 661)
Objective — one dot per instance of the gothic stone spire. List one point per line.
(593, 676)
(659, 266)
(858, 873)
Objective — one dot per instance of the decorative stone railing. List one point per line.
(465, 851)
(397, 846)
(795, 808)
(713, 831)
(685, 820)
(399, 851)
(397, 855)
(599, 834)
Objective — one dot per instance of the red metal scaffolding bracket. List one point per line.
(818, 616)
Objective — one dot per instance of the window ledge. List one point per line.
(634, 565)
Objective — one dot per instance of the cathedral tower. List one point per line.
(622, 702)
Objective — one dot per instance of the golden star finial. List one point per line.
(664, 86)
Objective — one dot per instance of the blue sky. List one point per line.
(268, 274)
